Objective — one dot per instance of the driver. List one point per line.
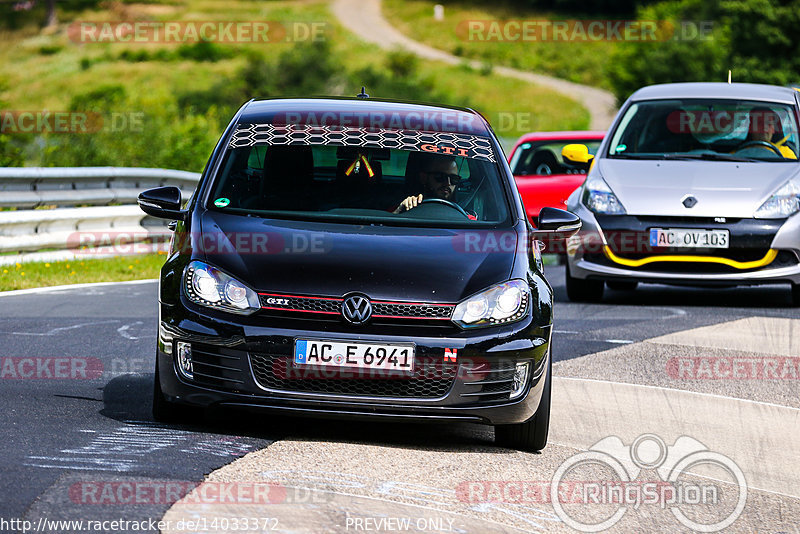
(437, 178)
(764, 124)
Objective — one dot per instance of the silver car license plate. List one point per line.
(689, 238)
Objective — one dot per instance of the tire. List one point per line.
(584, 290)
(622, 285)
(165, 411)
(532, 434)
(796, 295)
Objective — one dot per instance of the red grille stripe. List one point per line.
(412, 317)
(298, 310)
(298, 296)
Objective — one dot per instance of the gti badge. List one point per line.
(357, 309)
(689, 201)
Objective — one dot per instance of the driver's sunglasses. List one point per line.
(443, 177)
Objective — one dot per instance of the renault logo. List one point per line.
(357, 309)
(689, 201)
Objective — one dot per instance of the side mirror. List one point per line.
(556, 221)
(162, 202)
(578, 155)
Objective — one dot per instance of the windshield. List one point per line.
(349, 173)
(712, 129)
(544, 158)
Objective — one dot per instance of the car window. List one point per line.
(320, 179)
(544, 158)
(707, 129)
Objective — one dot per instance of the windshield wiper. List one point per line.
(711, 156)
(636, 156)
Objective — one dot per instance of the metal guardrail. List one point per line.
(31, 187)
(66, 231)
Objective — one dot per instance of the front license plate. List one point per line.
(688, 238)
(354, 355)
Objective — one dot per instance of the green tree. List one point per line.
(765, 40)
(756, 39)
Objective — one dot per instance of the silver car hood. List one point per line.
(722, 189)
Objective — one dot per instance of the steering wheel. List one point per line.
(445, 203)
(764, 144)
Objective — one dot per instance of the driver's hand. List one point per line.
(409, 203)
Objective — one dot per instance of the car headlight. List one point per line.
(208, 286)
(500, 304)
(598, 197)
(784, 202)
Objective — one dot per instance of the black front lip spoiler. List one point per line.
(355, 414)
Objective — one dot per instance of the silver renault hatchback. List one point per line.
(695, 184)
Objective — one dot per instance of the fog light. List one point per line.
(520, 379)
(184, 351)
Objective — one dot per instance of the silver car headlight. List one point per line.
(598, 197)
(784, 202)
(500, 304)
(208, 286)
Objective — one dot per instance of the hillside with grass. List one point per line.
(690, 41)
(584, 62)
(183, 94)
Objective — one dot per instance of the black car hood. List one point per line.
(391, 263)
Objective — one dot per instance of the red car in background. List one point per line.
(543, 177)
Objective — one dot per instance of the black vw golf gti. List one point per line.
(357, 258)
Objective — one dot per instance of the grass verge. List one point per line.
(35, 80)
(41, 274)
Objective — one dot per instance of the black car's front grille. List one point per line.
(217, 367)
(488, 381)
(390, 310)
(382, 311)
(430, 379)
(301, 304)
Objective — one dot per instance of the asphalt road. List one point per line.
(81, 426)
(84, 414)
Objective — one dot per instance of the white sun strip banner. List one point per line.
(454, 144)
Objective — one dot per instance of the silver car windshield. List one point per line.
(707, 129)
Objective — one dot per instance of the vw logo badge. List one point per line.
(689, 201)
(357, 309)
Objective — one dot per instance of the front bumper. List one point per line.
(245, 366)
(615, 248)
